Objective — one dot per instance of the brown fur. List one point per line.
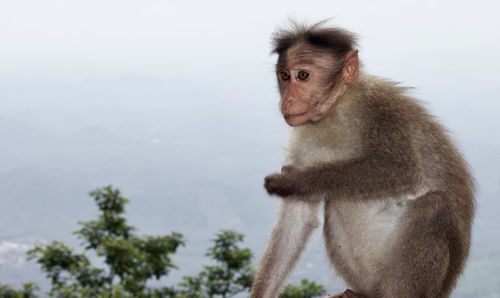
(399, 199)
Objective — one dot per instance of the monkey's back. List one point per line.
(444, 195)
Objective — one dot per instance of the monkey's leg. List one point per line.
(297, 220)
(429, 255)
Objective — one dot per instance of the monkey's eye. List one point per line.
(285, 75)
(303, 75)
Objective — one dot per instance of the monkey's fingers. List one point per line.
(288, 169)
(271, 183)
(277, 184)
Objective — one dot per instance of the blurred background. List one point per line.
(175, 103)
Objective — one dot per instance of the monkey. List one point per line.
(397, 195)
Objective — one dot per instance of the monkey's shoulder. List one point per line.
(388, 103)
(385, 96)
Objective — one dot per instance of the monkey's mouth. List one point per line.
(290, 116)
(296, 119)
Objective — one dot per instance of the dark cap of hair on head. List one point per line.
(337, 40)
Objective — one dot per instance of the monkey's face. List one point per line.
(303, 82)
(310, 81)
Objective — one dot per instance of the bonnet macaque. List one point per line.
(398, 196)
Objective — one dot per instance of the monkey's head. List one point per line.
(315, 66)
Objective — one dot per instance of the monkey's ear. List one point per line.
(350, 73)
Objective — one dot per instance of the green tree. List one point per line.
(130, 260)
(306, 289)
(231, 274)
(29, 291)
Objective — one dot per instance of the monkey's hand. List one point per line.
(288, 169)
(281, 184)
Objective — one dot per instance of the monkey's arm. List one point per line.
(297, 220)
(388, 167)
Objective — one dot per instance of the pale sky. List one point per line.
(447, 49)
(80, 39)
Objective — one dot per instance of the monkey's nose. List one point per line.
(289, 102)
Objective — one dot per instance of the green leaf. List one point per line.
(130, 260)
(306, 289)
(230, 275)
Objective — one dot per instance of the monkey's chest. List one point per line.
(359, 234)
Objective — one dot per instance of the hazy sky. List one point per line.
(447, 49)
(79, 39)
